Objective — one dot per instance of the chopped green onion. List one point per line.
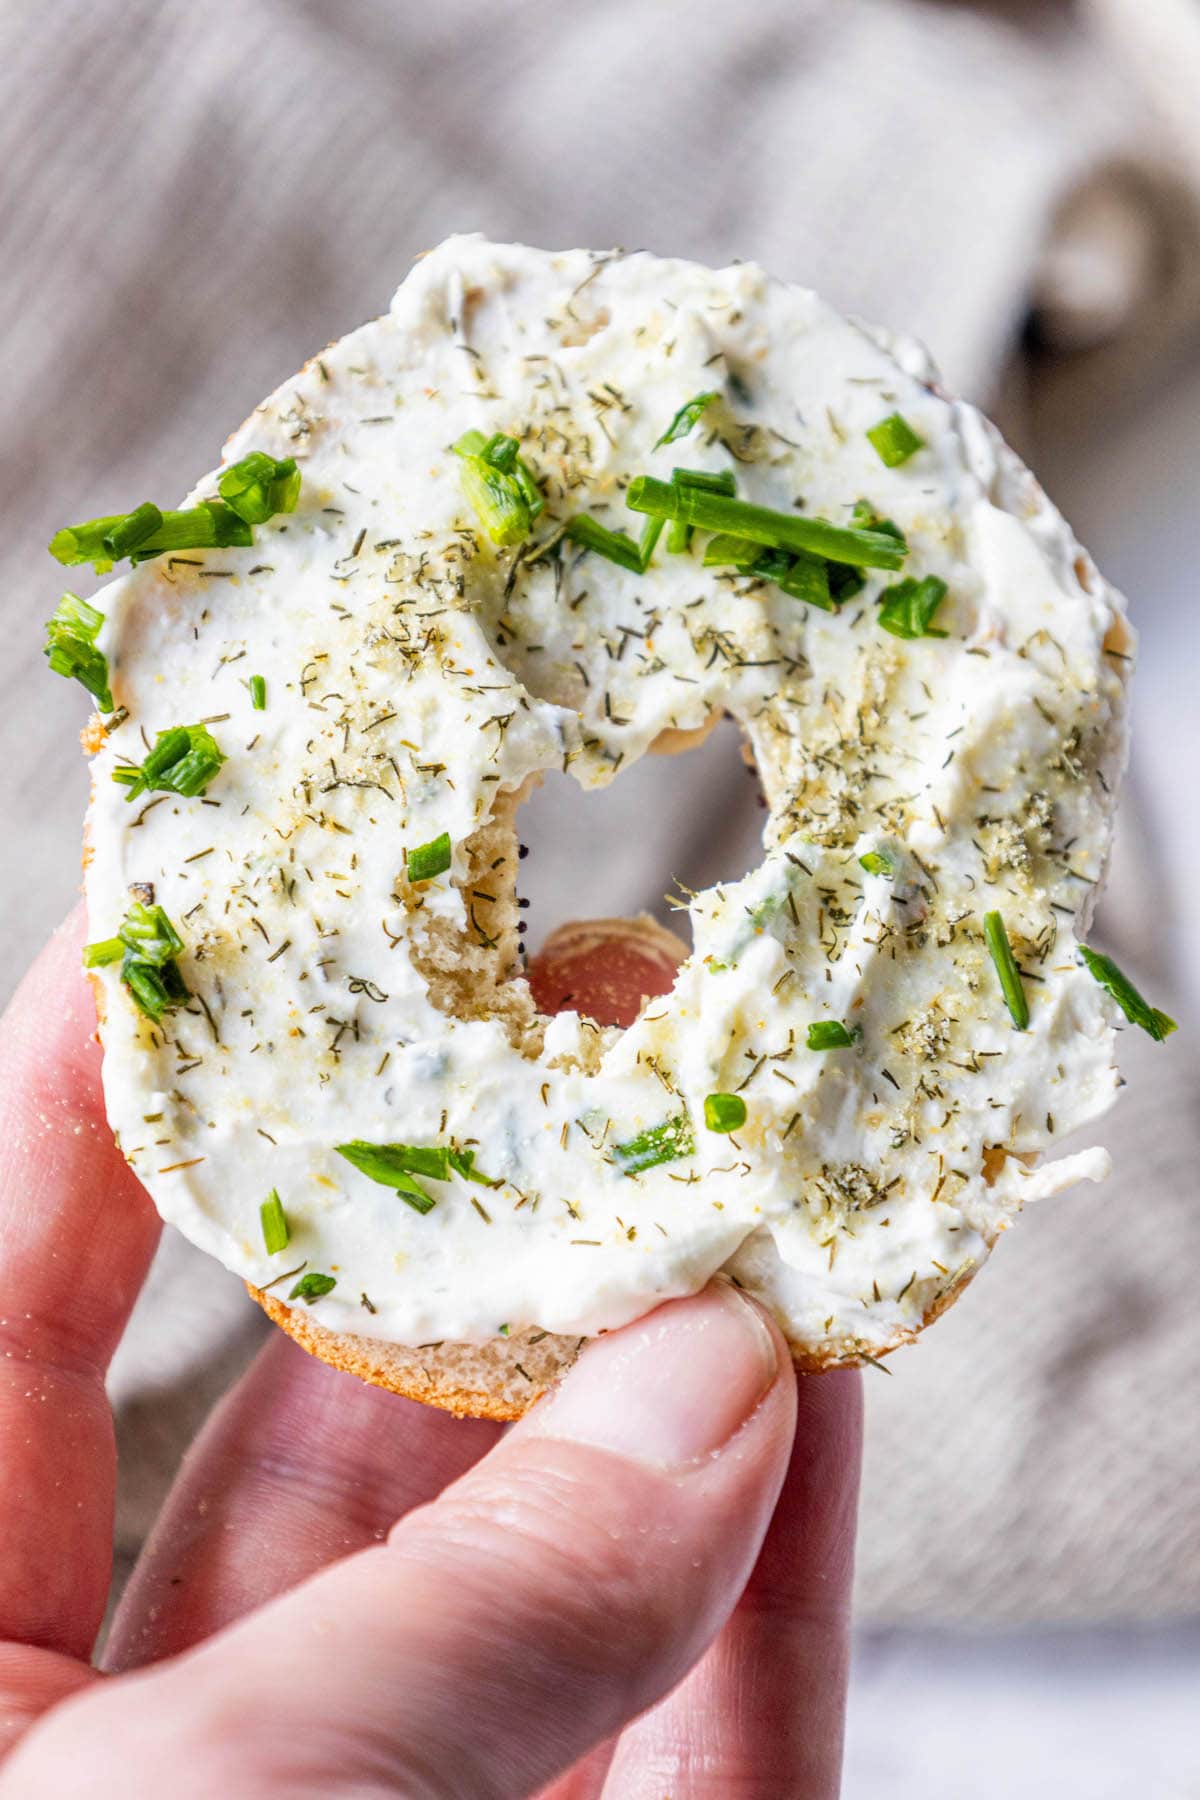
(652, 530)
(430, 859)
(183, 761)
(463, 1163)
(147, 532)
(867, 519)
(259, 486)
(712, 481)
(660, 1144)
(276, 1235)
(210, 525)
(615, 545)
(724, 1112)
(1158, 1025)
(895, 440)
(909, 605)
(149, 990)
(878, 862)
(71, 648)
(312, 1286)
(131, 532)
(831, 1034)
(93, 541)
(777, 530)
(500, 485)
(258, 693)
(148, 944)
(149, 935)
(1006, 969)
(686, 418)
(394, 1166)
(724, 548)
(800, 576)
(108, 950)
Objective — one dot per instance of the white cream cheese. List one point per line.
(413, 671)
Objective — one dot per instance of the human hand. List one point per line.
(350, 1594)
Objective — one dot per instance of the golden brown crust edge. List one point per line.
(504, 1377)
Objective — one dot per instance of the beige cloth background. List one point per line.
(197, 196)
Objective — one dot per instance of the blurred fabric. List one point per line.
(198, 197)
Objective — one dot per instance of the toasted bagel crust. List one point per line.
(500, 1379)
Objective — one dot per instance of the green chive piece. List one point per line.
(276, 1235)
(183, 761)
(148, 945)
(131, 532)
(258, 693)
(660, 1144)
(777, 530)
(867, 519)
(500, 485)
(709, 481)
(615, 545)
(147, 532)
(430, 859)
(108, 950)
(712, 481)
(211, 525)
(71, 649)
(895, 440)
(463, 1163)
(259, 486)
(1006, 969)
(878, 862)
(724, 548)
(395, 1165)
(686, 419)
(149, 935)
(724, 1112)
(312, 1286)
(652, 530)
(800, 576)
(908, 607)
(1158, 1025)
(831, 1034)
(90, 542)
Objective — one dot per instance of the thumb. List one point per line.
(555, 1591)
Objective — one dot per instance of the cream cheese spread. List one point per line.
(414, 672)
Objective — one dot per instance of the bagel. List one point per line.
(849, 1090)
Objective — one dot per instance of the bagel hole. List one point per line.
(666, 824)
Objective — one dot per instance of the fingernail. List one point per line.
(671, 1388)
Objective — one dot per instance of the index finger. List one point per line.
(76, 1236)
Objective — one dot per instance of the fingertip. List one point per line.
(672, 1389)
